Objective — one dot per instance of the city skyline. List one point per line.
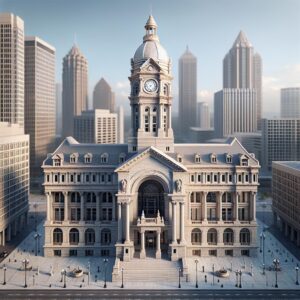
(273, 19)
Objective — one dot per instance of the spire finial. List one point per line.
(150, 9)
(75, 39)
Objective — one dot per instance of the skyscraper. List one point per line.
(280, 142)
(14, 144)
(242, 68)
(187, 91)
(98, 126)
(12, 69)
(75, 88)
(203, 115)
(103, 96)
(235, 111)
(40, 107)
(58, 93)
(290, 102)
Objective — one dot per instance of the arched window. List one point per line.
(147, 119)
(107, 197)
(245, 236)
(212, 236)
(228, 236)
(90, 197)
(105, 237)
(57, 236)
(90, 236)
(196, 236)
(88, 158)
(211, 197)
(166, 90)
(74, 236)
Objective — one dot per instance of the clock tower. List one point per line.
(150, 96)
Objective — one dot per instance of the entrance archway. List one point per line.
(151, 199)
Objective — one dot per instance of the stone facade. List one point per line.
(150, 197)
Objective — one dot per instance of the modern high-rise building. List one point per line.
(74, 88)
(12, 69)
(98, 126)
(58, 93)
(103, 96)
(40, 98)
(234, 111)
(290, 102)
(121, 125)
(242, 69)
(280, 142)
(203, 115)
(150, 196)
(187, 109)
(14, 144)
(286, 198)
(14, 180)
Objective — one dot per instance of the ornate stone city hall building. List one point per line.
(151, 197)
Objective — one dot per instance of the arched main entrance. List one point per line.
(151, 199)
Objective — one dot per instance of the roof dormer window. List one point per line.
(213, 158)
(104, 158)
(88, 158)
(244, 160)
(197, 158)
(73, 158)
(228, 158)
(122, 157)
(57, 160)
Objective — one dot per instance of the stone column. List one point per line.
(3, 238)
(236, 206)
(127, 239)
(204, 206)
(220, 194)
(161, 111)
(120, 229)
(66, 208)
(141, 116)
(97, 206)
(143, 252)
(253, 209)
(158, 251)
(49, 206)
(169, 125)
(113, 207)
(81, 206)
(173, 222)
(182, 239)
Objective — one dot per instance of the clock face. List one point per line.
(150, 85)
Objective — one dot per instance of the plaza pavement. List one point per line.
(40, 276)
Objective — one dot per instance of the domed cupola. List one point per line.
(151, 47)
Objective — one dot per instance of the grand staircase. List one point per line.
(150, 270)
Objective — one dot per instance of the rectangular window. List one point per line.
(71, 178)
(57, 252)
(223, 178)
(212, 252)
(62, 178)
(208, 178)
(192, 178)
(89, 252)
(215, 178)
(230, 178)
(199, 178)
(78, 178)
(196, 252)
(73, 252)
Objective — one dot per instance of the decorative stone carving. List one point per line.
(123, 185)
(178, 185)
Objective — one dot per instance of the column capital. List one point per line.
(65, 193)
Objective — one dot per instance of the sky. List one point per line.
(109, 31)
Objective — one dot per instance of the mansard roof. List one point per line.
(231, 147)
(153, 152)
(70, 146)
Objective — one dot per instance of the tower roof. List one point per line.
(151, 22)
(75, 51)
(187, 53)
(241, 40)
(151, 47)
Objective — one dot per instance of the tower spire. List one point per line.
(151, 28)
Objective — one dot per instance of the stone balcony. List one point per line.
(156, 221)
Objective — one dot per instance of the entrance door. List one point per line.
(150, 240)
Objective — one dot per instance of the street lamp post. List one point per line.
(89, 270)
(179, 284)
(4, 275)
(25, 262)
(64, 275)
(105, 260)
(297, 275)
(37, 244)
(251, 267)
(262, 239)
(276, 265)
(264, 269)
(35, 205)
(240, 285)
(213, 271)
(122, 272)
(237, 278)
(196, 262)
